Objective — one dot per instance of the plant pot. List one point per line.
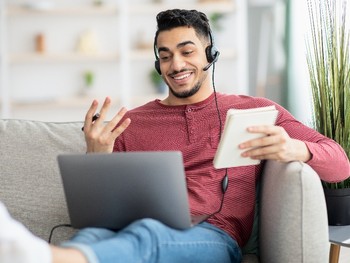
(338, 206)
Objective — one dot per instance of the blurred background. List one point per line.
(56, 56)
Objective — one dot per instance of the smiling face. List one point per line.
(182, 59)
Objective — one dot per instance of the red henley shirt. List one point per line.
(194, 130)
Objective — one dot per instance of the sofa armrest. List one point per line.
(293, 215)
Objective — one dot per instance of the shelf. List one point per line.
(16, 10)
(204, 6)
(137, 54)
(79, 101)
(149, 8)
(262, 3)
(143, 54)
(71, 108)
(63, 57)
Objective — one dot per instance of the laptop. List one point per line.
(113, 190)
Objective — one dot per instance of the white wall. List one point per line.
(299, 87)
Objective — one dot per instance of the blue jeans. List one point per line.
(148, 240)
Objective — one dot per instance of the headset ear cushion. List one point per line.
(157, 66)
(215, 53)
(209, 54)
(212, 54)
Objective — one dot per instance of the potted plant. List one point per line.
(158, 81)
(89, 80)
(216, 20)
(328, 62)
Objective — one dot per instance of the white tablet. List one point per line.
(235, 132)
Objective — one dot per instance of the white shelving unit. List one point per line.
(123, 64)
(4, 88)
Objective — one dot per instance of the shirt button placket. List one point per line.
(190, 124)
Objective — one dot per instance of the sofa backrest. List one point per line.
(30, 184)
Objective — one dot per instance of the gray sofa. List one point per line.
(291, 225)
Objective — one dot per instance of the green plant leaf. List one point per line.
(329, 69)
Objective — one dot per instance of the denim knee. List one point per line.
(148, 223)
(92, 235)
(150, 229)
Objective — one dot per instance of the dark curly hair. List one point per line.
(173, 18)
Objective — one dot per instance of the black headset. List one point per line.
(211, 52)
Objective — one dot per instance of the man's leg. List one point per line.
(148, 240)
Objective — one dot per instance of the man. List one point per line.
(190, 120)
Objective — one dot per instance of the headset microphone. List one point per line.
(208, 66)
(213, 58)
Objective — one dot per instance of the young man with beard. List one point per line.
(189, 120)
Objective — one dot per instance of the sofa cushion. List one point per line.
(30, 181)
(293, 215)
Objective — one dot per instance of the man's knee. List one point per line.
(150, 224)
(90, 235)
(148, 228)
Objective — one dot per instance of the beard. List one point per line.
(187, 93)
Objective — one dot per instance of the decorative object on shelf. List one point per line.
(215, 21)
(40, 43)
(142, 41)
(39, 5)
(158, 82)
(212, 1)
(89, 81)
(87, 43)
(97, 2)
(328, 60)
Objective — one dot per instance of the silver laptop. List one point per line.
(113, 190)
